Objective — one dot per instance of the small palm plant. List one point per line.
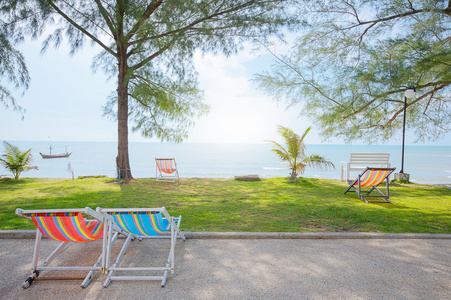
(294, 153)
(16, 161)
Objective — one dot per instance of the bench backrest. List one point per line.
(369, 159)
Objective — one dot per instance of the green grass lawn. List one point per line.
(274, 204)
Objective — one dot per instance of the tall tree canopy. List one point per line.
(354, 60)
(149, 46)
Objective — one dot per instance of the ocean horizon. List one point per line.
(425, 164)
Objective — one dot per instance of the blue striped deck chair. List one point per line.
(141, 223)
(67, 226)
(371, 178)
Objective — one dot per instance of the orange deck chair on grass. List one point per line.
(371, 178)
(166, 169)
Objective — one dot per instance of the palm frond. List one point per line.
(294, 153)
(319, 162)
(15, 160)
(278, 147)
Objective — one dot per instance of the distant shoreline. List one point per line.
(216, 143)
(425, 164)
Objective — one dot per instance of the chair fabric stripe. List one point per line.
(67, 227)
(142, 223)
(372, 177)
(166, 165)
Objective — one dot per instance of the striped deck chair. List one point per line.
(141, 223)
(67, 226)
(371, 178)
(166, 169)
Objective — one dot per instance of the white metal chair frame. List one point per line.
(111, 270)
(163, 176)
(35, 268)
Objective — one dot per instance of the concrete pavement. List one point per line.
(408, 267)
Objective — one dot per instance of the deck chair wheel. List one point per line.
(26, 284)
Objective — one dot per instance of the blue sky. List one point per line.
(65, 99)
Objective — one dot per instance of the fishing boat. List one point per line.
(61, 155)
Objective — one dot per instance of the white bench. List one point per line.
(360, 161)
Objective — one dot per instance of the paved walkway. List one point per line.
(252, 269)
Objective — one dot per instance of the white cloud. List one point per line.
(239, 112)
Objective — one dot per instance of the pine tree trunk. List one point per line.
(122, 159)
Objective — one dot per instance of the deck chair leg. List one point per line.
(387, 182)
(372, 189)
(165, 277)
(363, 198)
(35, 268)
(386, 197)
(172, 244)
(347, 190)
(105, 245)
(108, 250)
(118, 261)
(179, 233)
(175, 231)
(54, 254)
(170, 262)
(37, 247)
(34, 264)
(88, 277)
(165, 273)
(359, 192)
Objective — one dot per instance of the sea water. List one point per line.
(425, 164)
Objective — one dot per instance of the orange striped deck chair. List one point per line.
(371, 178)
(141, 223)
(166, 169)
(67, 226)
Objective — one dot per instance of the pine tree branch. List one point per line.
(108, 19)
(73, 23)
(147, 13)
(436, 88)
(154, 55)
(150, 112)
(308, 82)
(161, 88)
(192, 25)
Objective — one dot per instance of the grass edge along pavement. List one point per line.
(226, 205)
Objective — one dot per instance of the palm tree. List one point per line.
(294, 153)
(16, 161)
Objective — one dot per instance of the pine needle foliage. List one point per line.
(350, 66)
